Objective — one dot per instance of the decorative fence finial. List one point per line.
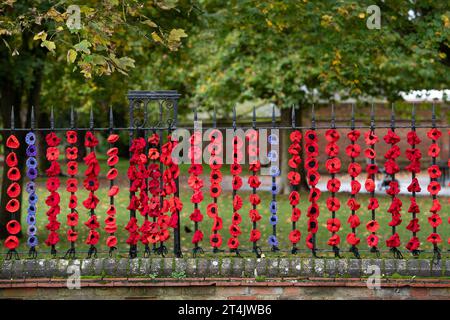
(254, 118)
(392, 116)
(372, 117)
(214, 117)
(333, 117)
(91, 119)
(413, 116)
(293, 116)
(353, 117)
(52, 118)
(433, 115)
(195, 114)
(313, 117)
(234, 117)
(111, 117)
(32, 119)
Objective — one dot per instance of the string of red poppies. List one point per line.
(333, 166)
(434, 187)
(110, 220)
(254, 182)
(313, 177)
(215, 189)
(413, 154)
(371, 139)
(196, 184)
(294, 180)
(353, 150)
(236, 219)
(144, 199)
(72, 188)
(13, 192)
(392, 168)
(53, 184)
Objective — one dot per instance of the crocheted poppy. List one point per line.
(391, 137)
(352, 239)
(309, 241)
(333, 225)
(434, 150)
(11, 242)
(235, 230)
(434, 238)
(333, 165)
(434, 220)
(71, 185)
(13, 227)
(332, 135)
(72, 235)
(236, 218)
(334, 240)
(370, 138)
(237, 202)
(90, 140)
(312, 149)
(254, 199)
(332, 149)
(13, 190)
(12, 142)
(215, 190)
(313, 210)
(353, 135)
(295, 236)
(434, 134)
(254, 215)
(333, 204)
(393, 241)
(294, 162)
(91, 184)
(111, 241)
(294, 178)
(52, 239)
(434, 172)
(353, 150)
(434, 188)
(372, 226)
(72, 219)
(333, 185)
(353, 221)
(413, 244)
(52, 139)
(412, 138)
(13, 174)
(295, 136)
(54, 170)
(313, 177)
(311, 135)
(255, 235)
(236, 182)
(353, 204)
(71, 137)
(313, 225)
(372, 240)
(92, 238)
(391, 167)
(294, 198)
(13, 206)
(91, 202)
(254, 182)
(295, 215)
(113, 191)
(215, 240)
(11, 160)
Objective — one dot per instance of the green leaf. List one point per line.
(166, 4)
(175, 35)
(50, 45)
(156, 37)
(150, 23)
(71, 56)
(83, 46)
(41, 35)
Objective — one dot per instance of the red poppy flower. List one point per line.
(353, 204)
(233, 243)
(215, 176)
(13, 206)
(369, 185)
(113, 160)
(111, 241)
(413, 207)
(412, 138)
(12, 142)
(13, 227)
(413, 154)
(334, 240)
(254, 215)
(90, 140)
(434, 172)
(215, 190)
(414, 166)
(434, 220)
(236, 218)
(236, 182)
(413, 244)
(215, 240)
(312, 149)
(11, 160)
(93, 170)
(13, 190)
(254, 182)
(393, 189)
(195, 169)
(71, 153)
(112, 174)
(313, 177)
(72, 168)
(434, 134)
(255, 166)
(294, 178)
(333, 224)
(372, 240)
(393, 241)
(371, 169)
(333, 204)
(391, 167)
(72, 185)
(313, 225)
(52, 140)
(355, 186)
(332, 149)
(237, 202)
(434, 238)
(314, 194)
(52, 239)
(73, 202)
(309, 241)
(294, 198)
(91, 202)
(353, 221)
(92, 223)
(114, 191)
(434, 150)
(391, 137)
(294, 162)
(153, 139)
(352, 239)
(413, 225)
(212, 210)
(372, 226)
(235, 230)
(370, 138)
(112, 152)
(13, 174)
(436, 206)
(254, 199)
(332, 135)
(311, 135)
(333, 165)
(71, 137)
(72, 235)
(313, 211)
(53, 225)
(414, 186)
(434, 187)
(12, 242)
(295, 236)
(91, 184)
(295, 136)
(393, 152)
(354, 135)
(295, 215)
(255, 235)
(113, 138)
(311, 164)
(370, 153)
(92, 238)
(133, 238)
(354, 169)
(333, 185)
(353, 150)
(72, 219)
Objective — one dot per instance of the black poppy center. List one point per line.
(311, 164)
(313, 210)
(312, 177)
(311, 136)
(311, 149)
(312, 224)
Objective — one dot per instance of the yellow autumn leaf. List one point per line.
(50, 45)
(156, 37)
(177, 34)
(40, 36)
(71, 56)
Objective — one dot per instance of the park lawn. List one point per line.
(224, 201)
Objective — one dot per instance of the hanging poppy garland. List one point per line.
(236, 219)
(434, 187)
(53, 184)
(110, 221)
(215, 189)
(72, 188)
(371, 139)
(294, 180)
(143, 199)
(32, 173)
(14, 190)
(274, 173)
(254, 182)
(195, 182)
(413, 154)
(353, 150)
(312, 176)
(91, 184)
(333, 166)
(391, 167)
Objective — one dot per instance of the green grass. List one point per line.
(224, 202)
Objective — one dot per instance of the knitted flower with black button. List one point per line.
(32, 172)
(294, 180)
(215, 189)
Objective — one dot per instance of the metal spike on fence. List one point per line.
(313, 117)
(293, 116)
(273, 115)
(214, 117)
(91, 119)
(333, 117)
(392, 116)
(372, 117)
(111, 117)
(195, 114)
(72, 118)
(433, 115)
(413, 115)
(234, 117)
(52, 118)
(13, 126)
(353, 117)
(254, 118)
(32, 119)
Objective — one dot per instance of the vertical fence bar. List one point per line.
(32, 173)
(133, 247)
(275, 172)
(177, 237)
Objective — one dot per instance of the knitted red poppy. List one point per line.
(12, 142)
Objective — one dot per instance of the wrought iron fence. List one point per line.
(154, 186)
